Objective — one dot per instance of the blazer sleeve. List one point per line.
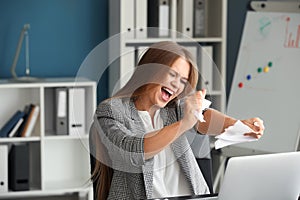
(121, 135)
(200, 144)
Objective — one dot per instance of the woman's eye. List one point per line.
(183, 81)
(173, 74)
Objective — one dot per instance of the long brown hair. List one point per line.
(157, 55)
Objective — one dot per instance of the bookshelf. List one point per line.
(59, 164)
(128, 22)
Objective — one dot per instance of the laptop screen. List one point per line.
(269, 176)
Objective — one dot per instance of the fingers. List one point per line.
(256, 124)
(254, 135)
(198, 99)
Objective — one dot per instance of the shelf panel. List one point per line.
(67, 162)
(39, 193)
(66, 137)
(19, 139)
(180, 40)
(77, 185)
(46, 82)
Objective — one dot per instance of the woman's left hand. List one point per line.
(257, 125)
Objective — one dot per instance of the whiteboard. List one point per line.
(266, 81)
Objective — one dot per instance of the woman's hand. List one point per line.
(193, 103)
(256, 124)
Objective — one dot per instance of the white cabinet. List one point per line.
(59, 164)
(129, 37)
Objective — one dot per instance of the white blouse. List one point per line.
(168, 178)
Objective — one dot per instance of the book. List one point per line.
(14, 132)
(9, 125)
(26, 111)
(30, 121)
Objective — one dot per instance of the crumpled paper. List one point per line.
(234, 135)
(205, 104)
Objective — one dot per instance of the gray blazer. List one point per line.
(122, 132)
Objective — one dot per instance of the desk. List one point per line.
(195, 197)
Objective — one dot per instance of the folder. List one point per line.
(158, 18)
(141, 18)
(206, 67)
(3, 168)
(185, 17)
(127, 18)
(61, 108)
(76, 110)
(9, 125)
(200, 18)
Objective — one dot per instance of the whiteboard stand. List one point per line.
(275, 6)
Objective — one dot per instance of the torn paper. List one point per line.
(234, 135)
(205, 104)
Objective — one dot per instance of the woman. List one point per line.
(138, 136)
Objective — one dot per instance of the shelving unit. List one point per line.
(126, 42)
(59, 164)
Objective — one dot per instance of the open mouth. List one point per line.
(166, 93)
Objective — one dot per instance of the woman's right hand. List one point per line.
(192, 103)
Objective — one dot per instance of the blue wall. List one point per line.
(62, 33)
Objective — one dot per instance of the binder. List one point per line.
(9, 125)
(3, 168)
(158, 18)
(185, 17)
(193, 50)
(76, 110)
(206, 67)
(140, 52)
(18, 167)
(141, 18)
(127, 18)
(61, 108)
(200, 18)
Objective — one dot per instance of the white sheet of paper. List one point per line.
(205, 104)
(234, 135)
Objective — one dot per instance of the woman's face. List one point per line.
(175, 81)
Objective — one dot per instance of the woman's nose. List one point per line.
(175, 82)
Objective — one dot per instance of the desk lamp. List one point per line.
(27, 77)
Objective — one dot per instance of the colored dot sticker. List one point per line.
(240, 85)
(248, 77)
(266, 69)
(259, 69)
(270, 64)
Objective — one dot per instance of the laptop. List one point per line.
(258, 177)
(269, 176)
